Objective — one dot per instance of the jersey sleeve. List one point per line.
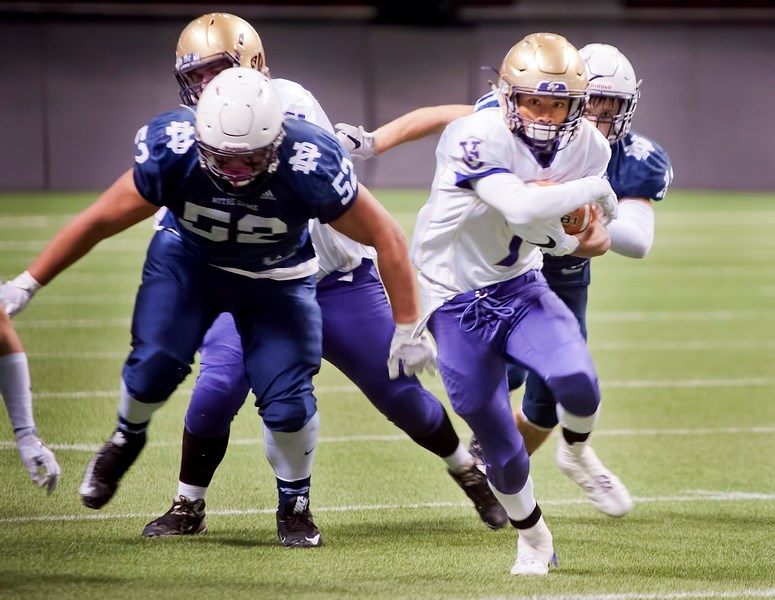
(158, 145)
(300, 103)
(322, 171)
(647, 171)
(475, 148)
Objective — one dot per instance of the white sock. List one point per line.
(518, 506)
(15, 388)
(133, 411)
(460, 459)
(577, 424)
(291, 454)
(191, 492)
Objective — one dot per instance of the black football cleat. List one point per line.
(474, 483)
(186, 517)
(108, 467)
(295, 526)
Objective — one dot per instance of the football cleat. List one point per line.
(186, 517)
(474, 483)
(295, 526)
(108, 467)
(535, 550)
(581, 465)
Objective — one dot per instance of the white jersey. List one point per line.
(461, 243)
(335, 251)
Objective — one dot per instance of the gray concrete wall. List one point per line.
(75, 92)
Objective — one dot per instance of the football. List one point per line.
(577, 221)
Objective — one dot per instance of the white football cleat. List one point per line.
(581, 464)
(535, 550)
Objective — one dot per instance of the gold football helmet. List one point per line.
(214, 42)
(543, 64)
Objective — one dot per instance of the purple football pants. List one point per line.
(521, 319)
(357, 329)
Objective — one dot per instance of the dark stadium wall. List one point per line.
(80, 89)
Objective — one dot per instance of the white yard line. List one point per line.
(611, 316)
(690, 496)
(354, 439)
(434, 386)
(712, 595)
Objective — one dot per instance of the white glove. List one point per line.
(17, 293)
(414, 353)
(607, 201)
(357, 140)
(40, 462)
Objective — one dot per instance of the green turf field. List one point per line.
(685, 345)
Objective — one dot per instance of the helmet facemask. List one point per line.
(237, 166)
(541, 136)
(192, 72)
(620, 123)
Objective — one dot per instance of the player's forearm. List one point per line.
(525, 204)
(117, 208)
(632, 233)
(398, 278)
(417, 124)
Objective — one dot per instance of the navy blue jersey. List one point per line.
(639, 168)
(249, 231)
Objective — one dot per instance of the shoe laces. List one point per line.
(183, 507)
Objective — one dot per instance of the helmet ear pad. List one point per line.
(239, 126)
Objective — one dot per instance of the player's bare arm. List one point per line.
(117, 209)
(409, 127)
(369, 223)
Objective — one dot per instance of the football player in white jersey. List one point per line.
(478, 244)
(640, 173)
(348, 290)
(37, 458)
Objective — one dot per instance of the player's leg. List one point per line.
(538, 415)
(219, 393)
(280, 326)
(549, 342)
(357, 329)
(169, 321)
(472, 366)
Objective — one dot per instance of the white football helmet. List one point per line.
(239, 126)
(543, 64)
(611, 76)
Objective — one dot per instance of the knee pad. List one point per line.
(516, 376)
(577, 393)
(152, 377)
(510, 476)
(217, 398)
(288, 414)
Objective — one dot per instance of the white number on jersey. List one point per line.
(343, 183)
(142, 148)
(253, 228)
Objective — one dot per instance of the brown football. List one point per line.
(578, 220)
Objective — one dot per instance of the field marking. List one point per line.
(689, 496)
(765, 593)
(438, 387)
(594, 347)
(608, 316)
(400, 437)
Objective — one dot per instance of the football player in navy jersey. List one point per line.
(640, 173)
(348, 290)
(241, 183)
(37, 458)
